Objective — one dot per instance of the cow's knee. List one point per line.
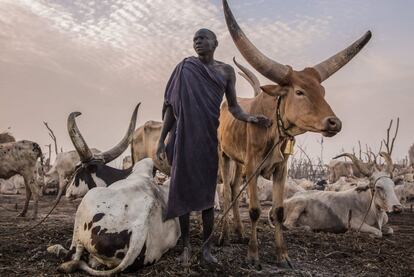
(254, 214)
(279, 212)
(57, 250)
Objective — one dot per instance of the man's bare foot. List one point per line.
(207, 256)
(184, 258)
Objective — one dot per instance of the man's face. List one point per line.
(204, 42)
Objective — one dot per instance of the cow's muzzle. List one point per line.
(396, 209)
(332, 126)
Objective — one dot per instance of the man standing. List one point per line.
(191, 115)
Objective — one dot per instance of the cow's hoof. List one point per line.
(69, 267)
(223, 240)
(285, 264)
(387, 231)
(254, 263)
(242, 240)
(21, 214)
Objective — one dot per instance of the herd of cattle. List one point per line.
(119, 220)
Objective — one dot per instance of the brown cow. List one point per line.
(144, 145)
(296, 105)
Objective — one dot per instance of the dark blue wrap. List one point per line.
(195, 93)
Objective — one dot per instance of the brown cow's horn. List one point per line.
(334, 63)
(388, 161)
(270, 69)
(249, 76)
(364, 170)
(78, 141)
(116, 151)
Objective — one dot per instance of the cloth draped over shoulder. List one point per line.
(194, 92)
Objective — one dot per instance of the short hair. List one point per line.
(209, 31)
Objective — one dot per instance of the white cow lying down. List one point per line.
(121, 226)
(339, 211)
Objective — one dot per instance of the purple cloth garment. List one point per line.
(195, 93)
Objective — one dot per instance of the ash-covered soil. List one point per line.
(313, 254)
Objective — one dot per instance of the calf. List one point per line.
(121, 226)
(21, 158)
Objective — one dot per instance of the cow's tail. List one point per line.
(138, 238)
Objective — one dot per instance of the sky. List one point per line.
(103, 57)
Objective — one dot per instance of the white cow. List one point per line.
(404, 192)
(122, 225)
(339, 211)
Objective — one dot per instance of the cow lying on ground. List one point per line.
(121, 226)
(404, 192)
(92, 171)
(265, 188)
(21, 158)
(341, 211)
(345, 183)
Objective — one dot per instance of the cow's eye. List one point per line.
(300, 93)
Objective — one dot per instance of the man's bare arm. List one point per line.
(168, 123)
(235, 108)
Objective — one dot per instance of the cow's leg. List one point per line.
(386, 230)
(292, 217)
(368, 229)
(226, 175)
(184, 258)
(279, 179)
(254, 213)
(28, 196)
(235, 189)
(73, 265)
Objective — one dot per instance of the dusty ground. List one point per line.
(313, 254)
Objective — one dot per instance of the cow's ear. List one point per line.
(274, 90)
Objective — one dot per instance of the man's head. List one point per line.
(204, 42)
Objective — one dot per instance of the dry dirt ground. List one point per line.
(313, 254)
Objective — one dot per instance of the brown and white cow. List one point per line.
(21, 158)
(295, 105)
(121, 226)
(339, 211)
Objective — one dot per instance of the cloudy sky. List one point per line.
(103, 57)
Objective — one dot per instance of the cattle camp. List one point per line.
(206, 138)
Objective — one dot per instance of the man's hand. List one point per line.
(260, 120)
(161, 151)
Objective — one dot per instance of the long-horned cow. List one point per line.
(21, 158)
(350, 209)
(296, 105)
(121, 226)
(92, 171)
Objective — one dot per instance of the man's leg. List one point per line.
(208, 224)
(185, 238)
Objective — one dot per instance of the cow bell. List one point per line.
(289, 146)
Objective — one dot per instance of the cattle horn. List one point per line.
(388, 161)
(364, 170)
(78, 141)
(116, 151)
(336, 62)
(267, 67)
(249, 76)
